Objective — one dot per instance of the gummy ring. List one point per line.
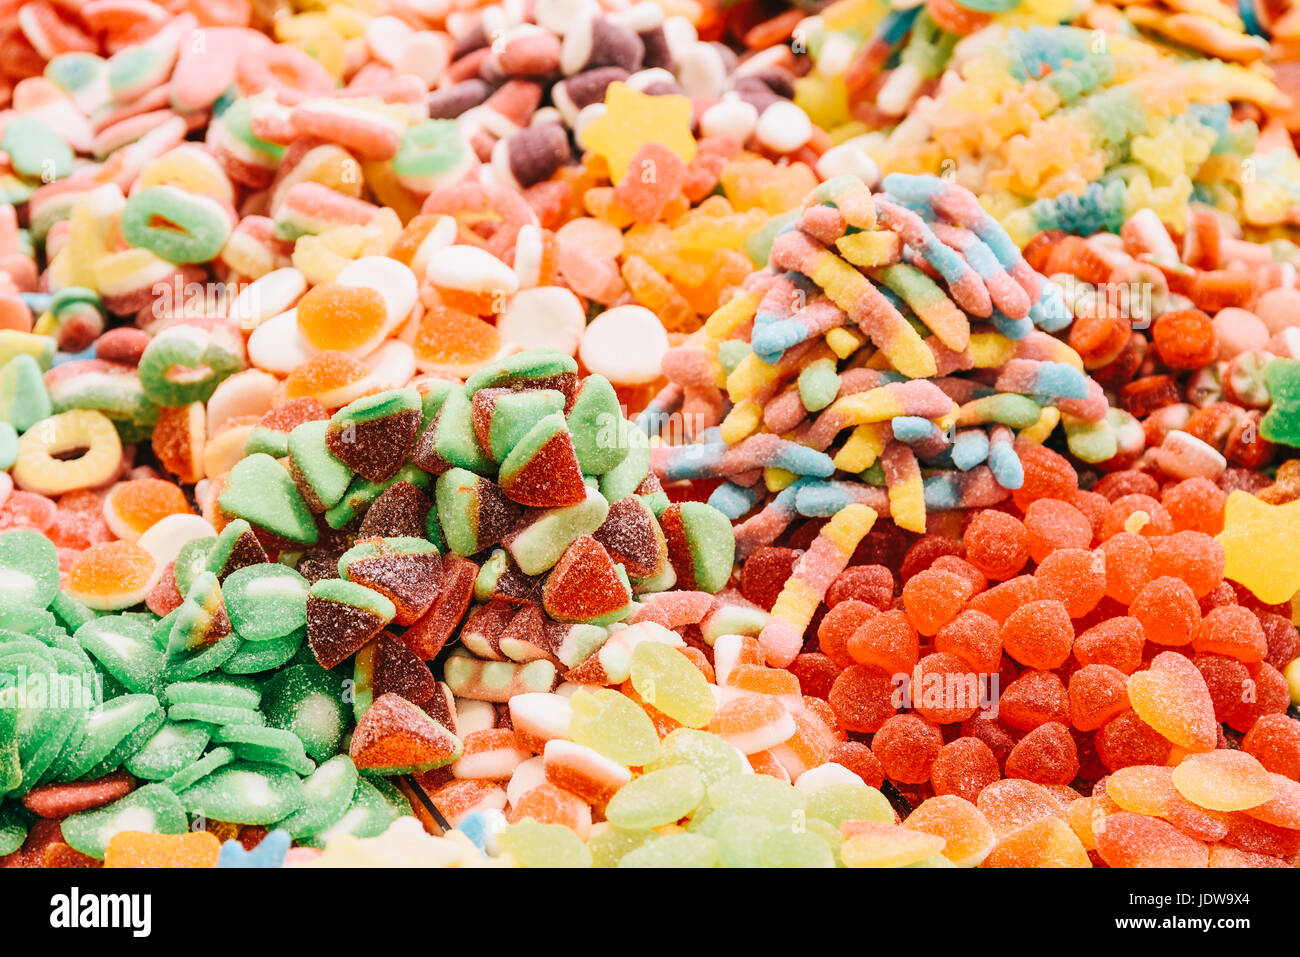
(175, 225)
(432, 153)
(185, 363)
(44, 464)
(287, 71)
(489, 217)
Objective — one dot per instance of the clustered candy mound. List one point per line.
(649, 434)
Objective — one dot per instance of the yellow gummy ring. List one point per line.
(47, 463)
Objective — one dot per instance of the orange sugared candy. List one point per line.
(111, 575)
(132, 508)
(141, 849)
(337, 317)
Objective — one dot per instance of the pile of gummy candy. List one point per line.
(649, 434)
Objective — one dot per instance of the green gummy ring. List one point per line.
(29, 569)
(195, 227)
(431, 149)
(183, 364)
(188, 777)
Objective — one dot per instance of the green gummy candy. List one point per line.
(255, 656)
(733, 620)
(245, 792)
(13, 830)
(8, 446)
(674, 850)
(656, 798)
(11, 773)
(786, 847)
(710, 755)
(514, 415)
(760, 795)
(272, 442)
(731, 353)
(666, 679)
(24, 400)
(544, 845)
(327, 796)
(193, 229)
(473, 512)
(130, 719)
(819, 384)
(739, 836)
(453, 438)
(187, 776)
(527, 366)
(29, 569)
(430, 149)
(174, 746)
(624, 478)
(313, 465)
(1281, 423)
(434, 395)
(309, 701)
(260, 491)
(837, 803)
(192, 561)
(596, 424)
(253, 742)
(266, 601)
(213, 714)
(701, 537)
(368, 815)
(153, 808)
(70, 613)
(521, 459)
(613, 724)
(223, 691)
(35, 150)
(609, 844)
(537, 546)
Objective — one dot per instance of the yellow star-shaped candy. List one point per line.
(631, 120)
(1260, 542)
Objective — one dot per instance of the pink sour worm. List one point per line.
(782, 637)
